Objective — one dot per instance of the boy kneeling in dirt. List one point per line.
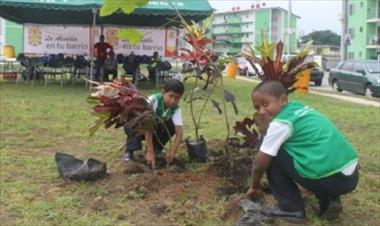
(301, 146)
(165, 106)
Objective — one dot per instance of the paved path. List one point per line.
(353, 99)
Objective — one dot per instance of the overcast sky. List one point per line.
(315, 14)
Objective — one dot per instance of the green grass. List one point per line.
(37, 121)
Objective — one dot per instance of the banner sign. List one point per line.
(76, 40)
(53, 39)
(164, 41)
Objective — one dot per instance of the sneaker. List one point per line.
(296, 217)
(128, 156)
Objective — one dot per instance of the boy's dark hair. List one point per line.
(273, 88)
(174, 85)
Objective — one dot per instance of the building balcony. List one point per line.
(219, 32)
(373, 16)
(235, 40)
(233, 30)
(373, 42)
(233, 20)
(234, 51)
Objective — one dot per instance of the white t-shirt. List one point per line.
(278, 133)
(177, 115)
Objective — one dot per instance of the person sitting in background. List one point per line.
(110, 66)
(80, 63)
(154, 61)
(131, 66)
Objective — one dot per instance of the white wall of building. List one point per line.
(248, 27)
(219, 19)
(276, 28)
(247, 16)
(219, 29)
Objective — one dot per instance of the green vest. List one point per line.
(164, 114)
(317, 147)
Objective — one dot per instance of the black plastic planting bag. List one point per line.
(253, 214)
(197, 151)
(75, 169)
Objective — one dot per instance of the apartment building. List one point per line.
(363, 27)
(11, 34)
(235, 29)
(2, 35)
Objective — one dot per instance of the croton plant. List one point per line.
(270, 67)
(118, 104)
(208, 68)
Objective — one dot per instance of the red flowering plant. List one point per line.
(118, 104)
(272, 68)
(208, 67)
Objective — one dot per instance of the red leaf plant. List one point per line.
(119, 103)
(270, 67)
(273, 68)
(252, 129)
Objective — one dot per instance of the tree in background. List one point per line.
(325, 37)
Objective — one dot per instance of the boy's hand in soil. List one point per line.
(169, 157)
(254, 193)
(150, 158)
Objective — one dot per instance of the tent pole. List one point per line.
(94, 12)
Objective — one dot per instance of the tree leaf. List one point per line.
(102, 119)
(127, 6)
(229, 97)
(109, 7)
(133, 36)
(266, 49)
(246, 127)
(92, 100)
(217, 106)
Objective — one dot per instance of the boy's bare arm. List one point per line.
(150, 158)
(260, 165)
(177, 141)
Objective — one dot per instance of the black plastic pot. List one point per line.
(197, 151)
(75, 169)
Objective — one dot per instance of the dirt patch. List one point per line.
(163, 195)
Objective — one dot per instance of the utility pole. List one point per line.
(289, 30)
(343, 41)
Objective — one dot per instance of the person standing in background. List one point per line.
(100, 51)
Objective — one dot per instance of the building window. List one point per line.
(361, 29)
(360, 54)
(361, 4)
(247, 35)
(352, 9)
(351, 31)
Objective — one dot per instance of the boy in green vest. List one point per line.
(165, 105)
(302, 147)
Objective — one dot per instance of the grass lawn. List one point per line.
(37, 121)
